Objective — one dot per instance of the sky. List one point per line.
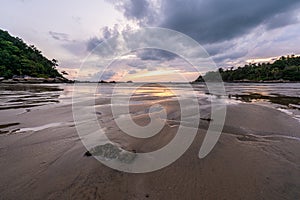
(233, 32)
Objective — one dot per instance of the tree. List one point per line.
(286, 68)
(17, 58)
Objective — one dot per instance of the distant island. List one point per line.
(285, 69)
(20, 62)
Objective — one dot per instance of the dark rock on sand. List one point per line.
(107, 150)
(87, 154)
(111, 151)
(206, 119)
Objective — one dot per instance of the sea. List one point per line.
(23, 97)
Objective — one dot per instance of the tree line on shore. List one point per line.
(19, 59)
(286, 68)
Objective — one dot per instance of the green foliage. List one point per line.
(17, 58)
(285, 68)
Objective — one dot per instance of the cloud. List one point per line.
(106, 75)
(114, 41)
(76, 19)
(141, 11)
(76, 48)
(230, 30)
(106, 33)
(59, 36)
(214, 20)
(92, 43)
(151, 69)
(281, 20)
(219, 48)
(136, 9)
(132, 71)
(136, 64)
(230, 55)
(155, 54)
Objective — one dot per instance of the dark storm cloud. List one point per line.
(230, 56)
(219, 48)
(213, 21)
(219, 20)
(155, 54)
(281, 20)
(59, 36)
(136, 9)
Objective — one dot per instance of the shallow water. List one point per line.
(18, 96)
(15, 92)
(282, 96)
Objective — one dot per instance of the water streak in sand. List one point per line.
(39, 128)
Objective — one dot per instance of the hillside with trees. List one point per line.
(19, 59)
(287, 68)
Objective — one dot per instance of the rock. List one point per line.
(206, 119)
(87, 154)
(107, 150)
(111, 151)
(294, 106)
(126, 157)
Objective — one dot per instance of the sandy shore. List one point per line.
(256, 157)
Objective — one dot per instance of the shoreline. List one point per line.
(24, 81)
(256, 82)
(32, 80)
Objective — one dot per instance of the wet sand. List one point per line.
(256, 157)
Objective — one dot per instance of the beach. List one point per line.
(43, 157)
